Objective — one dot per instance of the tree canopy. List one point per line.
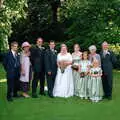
(72, 21)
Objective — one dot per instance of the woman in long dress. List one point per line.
(64, 80)
(76, 56)
(96, 88)
(84, 76)
(25, 69)
(93, 56)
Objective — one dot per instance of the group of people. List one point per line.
(87, 75)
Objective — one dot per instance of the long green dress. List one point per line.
(83, 81)
(95, 85)
(76, 75)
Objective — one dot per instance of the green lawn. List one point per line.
(45, 108)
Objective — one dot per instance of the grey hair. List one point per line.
(105, 42)
(92, 47)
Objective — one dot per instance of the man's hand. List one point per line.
(49, 73)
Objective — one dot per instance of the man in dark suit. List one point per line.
(51, 67)
(108, 59)
(37, 60)
(12, 66)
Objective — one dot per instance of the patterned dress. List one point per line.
(76, 75)
(95, 56)
(95, 85)
(25, 79)
(83, 81)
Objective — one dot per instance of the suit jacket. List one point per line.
(11, 64)
(37, 59)
(51, 61)
(107, 62)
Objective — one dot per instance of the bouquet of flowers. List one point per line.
(62, 66)
(75, 67)
(95, 72)
(82, 74)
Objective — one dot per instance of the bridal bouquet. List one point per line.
(62, 66)
(75, 67)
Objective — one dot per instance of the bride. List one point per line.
(64, 80)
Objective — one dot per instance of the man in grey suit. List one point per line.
(108, 59)
(51, 67)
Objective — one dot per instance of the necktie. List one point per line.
(16, 62)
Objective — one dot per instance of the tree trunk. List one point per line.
(54, 5)
(1, 2)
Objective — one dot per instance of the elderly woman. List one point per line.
(93, 55)
(64, 80)
(25, 69)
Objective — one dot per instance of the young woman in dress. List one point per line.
(76, 56)
(64, 80)
(96, 90)
(84, 76)
(25, 69)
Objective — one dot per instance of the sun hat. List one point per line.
(25, 44)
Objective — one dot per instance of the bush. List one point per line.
(116, 49)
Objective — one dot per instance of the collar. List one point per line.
(52, 50)
(13, 52)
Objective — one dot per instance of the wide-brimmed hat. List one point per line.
(25, 44)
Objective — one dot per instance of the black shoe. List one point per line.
(43, 94)
(51, 96)
(104, 97)
(109, 98)
(17, 96)
(9, 99)
(34, 96)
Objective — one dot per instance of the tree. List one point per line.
(42, 20)
(92, 21)
(10, 12)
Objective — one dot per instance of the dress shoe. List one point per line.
(51, 96)
(17, 96)
(109, 98)
(9, 99)
(34, 96)
(104, 97)
(43, 94)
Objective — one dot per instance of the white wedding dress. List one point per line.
(64, 81)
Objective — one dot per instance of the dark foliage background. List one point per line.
(66, 21)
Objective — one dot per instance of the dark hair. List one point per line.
(77, 45)
(85, 52)
(51, 41)
(39, 38)
(13, 43)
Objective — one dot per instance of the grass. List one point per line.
(45, 108)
